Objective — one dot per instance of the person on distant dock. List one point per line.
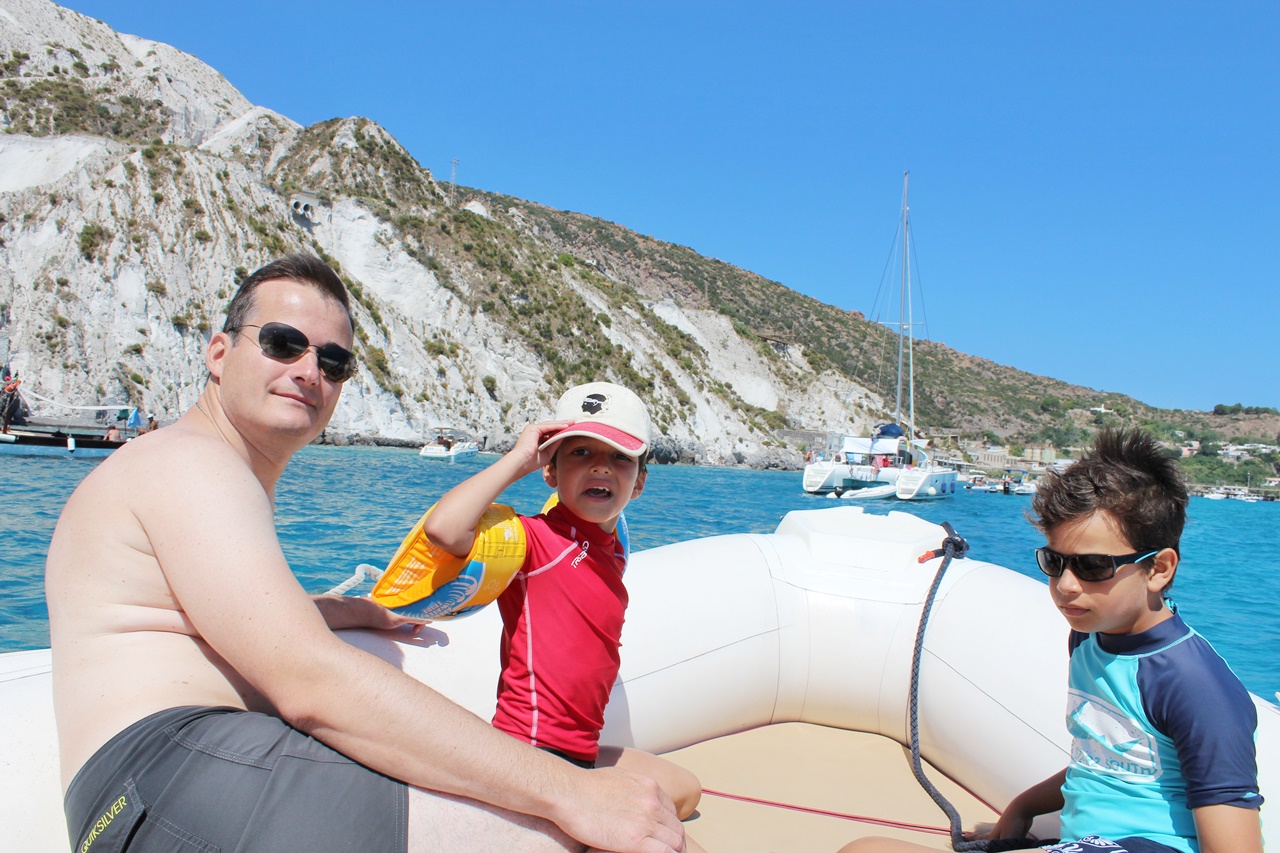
(9, 401)
(201, 696)
(556, 680)
(1162, 752)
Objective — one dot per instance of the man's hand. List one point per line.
(348, 611)
(622, 811)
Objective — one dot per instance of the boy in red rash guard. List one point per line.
(562, 614)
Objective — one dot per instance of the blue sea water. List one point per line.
(337, 507)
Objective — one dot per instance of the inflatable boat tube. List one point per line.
(814, 623)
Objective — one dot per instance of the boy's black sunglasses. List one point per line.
(1087, 567)
(285, 343)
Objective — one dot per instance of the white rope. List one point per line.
(362, 571)
(28, 393)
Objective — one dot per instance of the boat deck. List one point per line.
(834, 775)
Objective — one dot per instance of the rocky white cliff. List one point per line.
(126, 228)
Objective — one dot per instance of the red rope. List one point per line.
(876, 821)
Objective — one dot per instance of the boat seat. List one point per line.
(818, 768)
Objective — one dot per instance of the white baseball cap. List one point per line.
(602, 410)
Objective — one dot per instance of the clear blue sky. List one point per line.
(1095, 186)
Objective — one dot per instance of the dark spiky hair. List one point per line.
(1129, 476)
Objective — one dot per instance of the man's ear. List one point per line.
(549, 475)
(639, 488)
(216, 353)
(1162, 573)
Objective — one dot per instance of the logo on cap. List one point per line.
(593, 404)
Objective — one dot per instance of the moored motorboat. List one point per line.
(61, 441)
(743, 635)
(450, 445)
(25, 434)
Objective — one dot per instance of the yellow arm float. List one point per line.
(426, 582)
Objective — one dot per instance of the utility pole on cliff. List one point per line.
(453, 179)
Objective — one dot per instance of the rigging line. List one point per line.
(878, 821)
(885, 289)
(915, 264)
(877, 306)
(29, 393)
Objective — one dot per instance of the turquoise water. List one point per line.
(337, 507)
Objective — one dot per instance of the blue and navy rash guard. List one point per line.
(1160, 725)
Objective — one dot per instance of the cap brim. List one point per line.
(612, 436)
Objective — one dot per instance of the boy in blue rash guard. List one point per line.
(1162, 751)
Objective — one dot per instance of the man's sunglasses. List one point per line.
(1087, 567)
(285, 343)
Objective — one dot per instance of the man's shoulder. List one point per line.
(164, 465)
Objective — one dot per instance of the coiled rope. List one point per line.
(364, 570)
(953, 546)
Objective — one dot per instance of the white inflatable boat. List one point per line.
(729, 640)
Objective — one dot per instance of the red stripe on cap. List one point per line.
(623, 441)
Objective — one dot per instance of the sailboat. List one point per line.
(923, 478)
(893, 455)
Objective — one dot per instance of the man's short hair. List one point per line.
(302, 268)
(1128, 475)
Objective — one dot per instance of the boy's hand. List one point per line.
(526, 450)
(1015, 821)
(452, 524)
(1012, 824)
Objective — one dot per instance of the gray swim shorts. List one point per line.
(222, 779)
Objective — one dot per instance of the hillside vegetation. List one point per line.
(159, 187)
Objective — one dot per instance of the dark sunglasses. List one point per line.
(285, 343)
(1088, 568)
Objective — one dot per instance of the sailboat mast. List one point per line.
(911, 328)
(902, 296)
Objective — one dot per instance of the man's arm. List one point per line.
(1228, 829)
(452, 524)
(220, 555)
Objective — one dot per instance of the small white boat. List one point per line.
(1215, 495)
(778, 667)
(871, 493)
(450, 445)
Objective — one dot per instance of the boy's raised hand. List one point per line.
(452, 524)
(526, 450)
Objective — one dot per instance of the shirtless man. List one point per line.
(201, 696)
